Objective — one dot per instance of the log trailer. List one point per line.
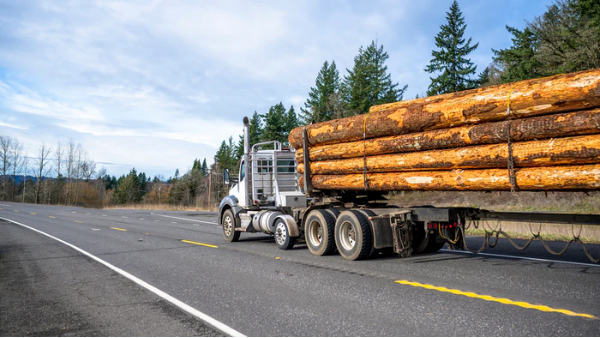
(267, 198)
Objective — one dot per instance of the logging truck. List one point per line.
(270, 196)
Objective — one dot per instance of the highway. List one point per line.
(141, 273)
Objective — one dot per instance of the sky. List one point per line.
(156, 84)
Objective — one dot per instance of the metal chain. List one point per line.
(535, 236)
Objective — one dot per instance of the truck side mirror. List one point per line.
(226, 179)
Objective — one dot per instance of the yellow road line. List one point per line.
(120, 229)
(32, 213)
(198, 243)
(78, 222)
(16, 210)
(1, 208)
(495, 299)
(51, 216)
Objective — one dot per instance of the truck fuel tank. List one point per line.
(265, 221)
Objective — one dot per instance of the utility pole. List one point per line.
(24, 185)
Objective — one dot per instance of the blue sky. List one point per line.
(156, 84)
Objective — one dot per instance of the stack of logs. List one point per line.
(460, 141)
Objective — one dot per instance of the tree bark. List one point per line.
(580, 177)
(552, 152)
(550, 95)
(535, 128)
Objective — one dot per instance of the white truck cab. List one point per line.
(261, 198)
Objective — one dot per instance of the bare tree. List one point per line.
(42, 169)
(5, 144)
(25, 165)
(58, 161)
(79, 153)
(17, 161)
(70, 169)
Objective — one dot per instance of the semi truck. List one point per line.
(266, 197)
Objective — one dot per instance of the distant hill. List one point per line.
(19, 178)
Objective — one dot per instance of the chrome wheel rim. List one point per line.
(315, 233)
(347, 235)
(280, 233)
(227, 226)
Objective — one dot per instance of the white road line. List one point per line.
(141, 219)
(124, 216)
(104, 215)
(204, 317)
(187, 219)
(4, 205)
(519, 257)
(95, 229)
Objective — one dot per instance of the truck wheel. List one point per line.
(319, 232)
(426, 245)
(229, 224)
(353, 236)
(282, 236)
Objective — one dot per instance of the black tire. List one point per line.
(353, 236)
(369, 213)
(435, 246)
(319, 232)
(282, 236)
(333, 211)
(426, 245)
(229, 222)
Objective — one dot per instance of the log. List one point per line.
(541, 127)
(580, 177)
(555, 94)
(570, 150)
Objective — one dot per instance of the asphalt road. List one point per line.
(251, 286)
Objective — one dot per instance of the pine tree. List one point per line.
(450, 61)
(176, 173)
(274, 129)
(256, 129)
(128, 189)
(204, 168)
(484, 77)
(519, 61)
(239, 147)
(291, 122)
(196, 165)
(317, 106)
(368, 83)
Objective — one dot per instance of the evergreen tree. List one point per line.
(519, 61)
(291, 122)
(226, 155)
(563, 39)
(196, 165)
(274, 129)
(128, 189)
(368, 83)
(256, 129)
(484, 77)
(204, 168)
(176, 174)
(317, 106)
(450, 61)
(239, 147)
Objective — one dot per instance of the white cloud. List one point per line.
(14, 126)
